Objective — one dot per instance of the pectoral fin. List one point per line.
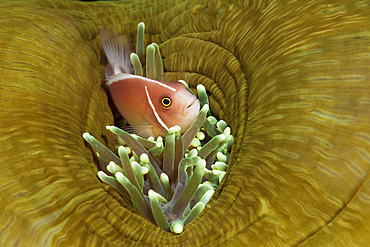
(140, 130)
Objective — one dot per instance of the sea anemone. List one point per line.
(291, 80)
(169, 184)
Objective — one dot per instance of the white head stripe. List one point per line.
(123, 76)
(154, 111)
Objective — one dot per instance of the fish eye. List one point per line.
(166, 102)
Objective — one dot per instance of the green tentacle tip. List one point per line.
(140, 41)
(221, 125)
(85, 135)
(135, 60)
(150, 62)
(177, 226)
(141, 26)
(221, 166)
(144, 158)
(212, 120)
(222, 157)
(186, 86)
(202, 94)
(89, 138)
(158, 63)
(195, 211)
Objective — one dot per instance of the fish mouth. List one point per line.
(192, 103)
(190, 110)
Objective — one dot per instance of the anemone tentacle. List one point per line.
(174, 195)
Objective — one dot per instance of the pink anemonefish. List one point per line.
(150, 107)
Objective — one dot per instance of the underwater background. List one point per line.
(290, 78)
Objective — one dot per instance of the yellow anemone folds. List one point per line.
(291, 80)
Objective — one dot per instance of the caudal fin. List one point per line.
(118, 49)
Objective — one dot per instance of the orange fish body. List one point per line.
(150, 107)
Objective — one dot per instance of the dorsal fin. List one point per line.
(117, 48)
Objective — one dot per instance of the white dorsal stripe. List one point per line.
(124, 76)
(154, 111)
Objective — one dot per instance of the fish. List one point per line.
(149, 106)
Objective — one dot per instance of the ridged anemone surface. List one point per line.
(291, 79)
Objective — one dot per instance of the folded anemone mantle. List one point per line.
(291, 78)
